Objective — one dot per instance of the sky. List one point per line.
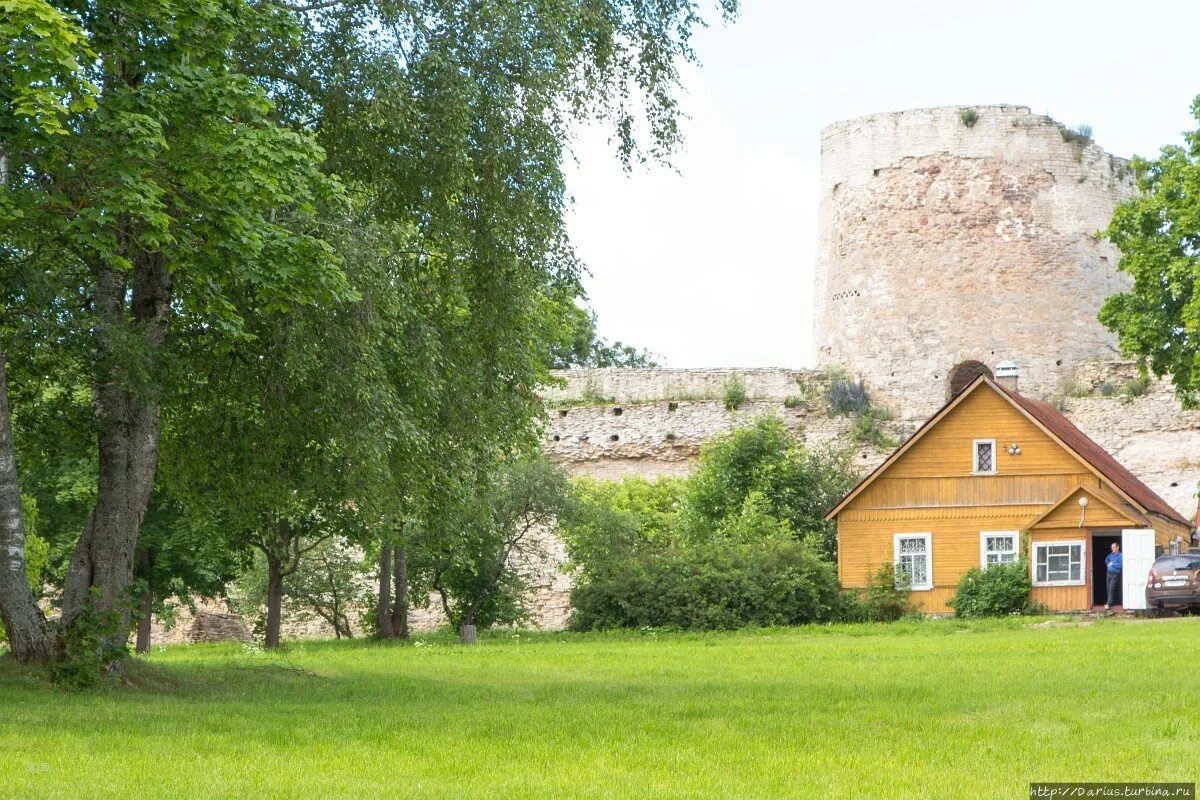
(710, 264)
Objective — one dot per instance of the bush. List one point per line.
(734, 393)
(1108, 389)
(969, 117)
(885, 599)
(847, 397)
(715, 585)
(1136, 387)
(868, 429)
(997, 591)
(793, 401)
(1081, 133)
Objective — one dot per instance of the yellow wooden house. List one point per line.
(994, 477)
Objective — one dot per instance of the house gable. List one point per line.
(936, 466)
(1103, 510)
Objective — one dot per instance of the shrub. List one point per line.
(997, 591)
(1136, 387)
(90, 649)
(885, 599)
(720, 584)
(847, 397)
(969, 117)
(1108, 389)
(1080, 133)
(793, 401)
(868, 429)
(734, 393)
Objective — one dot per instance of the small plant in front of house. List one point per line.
(885, 599)
(998, 591)
(846, 397)
(733, 393)
(969, 117)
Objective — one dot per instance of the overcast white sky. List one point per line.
(713, 266)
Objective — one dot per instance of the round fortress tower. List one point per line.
(951, 239)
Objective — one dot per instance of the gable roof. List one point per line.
(1058, 428)
(1116, 504)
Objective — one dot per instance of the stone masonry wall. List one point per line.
(941, 243)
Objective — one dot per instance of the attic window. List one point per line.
(983, 459)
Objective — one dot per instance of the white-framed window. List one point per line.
(1058, 563)
(914, 560)
(997, 547)
(983, 457)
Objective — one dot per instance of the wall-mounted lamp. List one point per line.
(1014, 449)
(1083, 501)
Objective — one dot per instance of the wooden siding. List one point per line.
(1065, 598)
(931, 489)
(946, 449)
(1098, 514)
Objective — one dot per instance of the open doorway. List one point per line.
(1101, 546)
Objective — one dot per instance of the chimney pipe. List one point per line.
(1007, 373)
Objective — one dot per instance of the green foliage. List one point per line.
(847, 397)
(720, 584)
(885, 598)
(1156, 231)
(793, 401)
(867, 428)
(796, 484)
(473, 566)
(87, 651)
(733, 393)
(613, 520)
(1135, 387)
(969, 117)
(1108, 389)
(997, 591)
(579, 344)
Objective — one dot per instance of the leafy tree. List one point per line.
(612, 520)
(1158, 234)
(762, 464)
(581, 345)
(473, 568)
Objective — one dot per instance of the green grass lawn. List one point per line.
(923, 710)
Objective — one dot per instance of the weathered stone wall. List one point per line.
(941, 243)
(647, 429)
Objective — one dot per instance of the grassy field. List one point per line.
(916, 710)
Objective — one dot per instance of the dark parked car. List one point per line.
(1174, 582)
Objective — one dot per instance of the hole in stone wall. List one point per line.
(672, 406)
(670, 437)
(963, 374)
(562, 413)
(1058, 363)
(556, 437)
(875, 173)
(614, 438)
(618, 411)
(583, 438)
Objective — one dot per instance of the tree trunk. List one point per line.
(146, 606)
(127, 417)
(274, 599)
(24, 623)
(466, 633)
(400, 606)
(384, 608)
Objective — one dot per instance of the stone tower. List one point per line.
(954, 238)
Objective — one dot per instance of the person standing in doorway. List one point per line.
(1113, 562)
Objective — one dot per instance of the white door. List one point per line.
(1137, 549)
